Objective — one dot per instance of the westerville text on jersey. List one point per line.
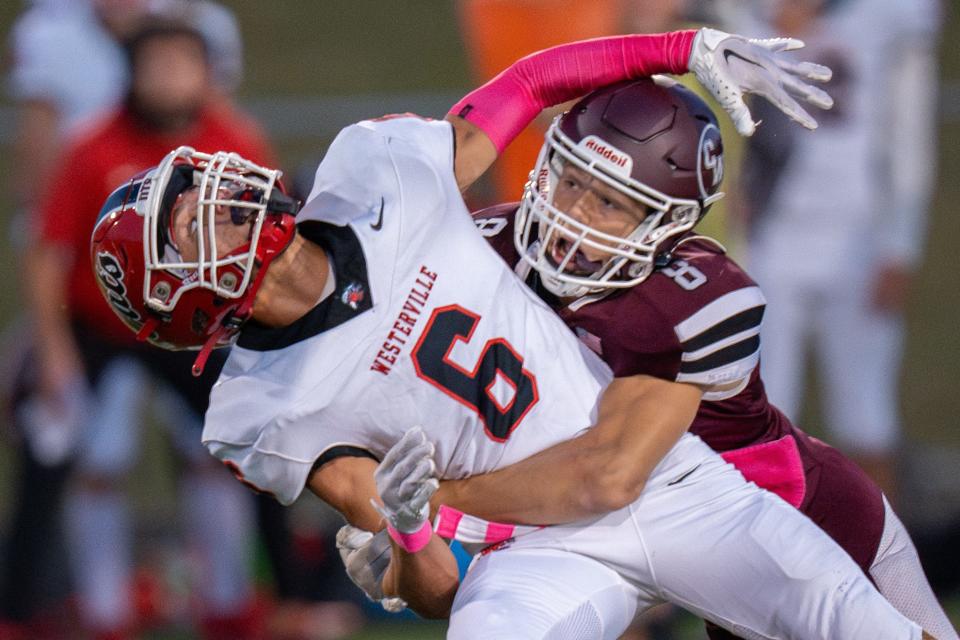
(407, 319)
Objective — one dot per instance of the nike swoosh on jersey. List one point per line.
(683, 477)
(379, 223)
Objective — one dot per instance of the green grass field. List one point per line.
(362, 47)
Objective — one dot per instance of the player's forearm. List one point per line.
(570, 481)
(501, 108)
(509, 102)
(427, 580)
(573, 481)
(603, 469)
(35, 150)
(346, 484)
(46, 296)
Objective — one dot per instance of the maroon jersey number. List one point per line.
(498, 389)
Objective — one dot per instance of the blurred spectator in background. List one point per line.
(48, 43)
(838, 216)
(69, 66)
(168, 103)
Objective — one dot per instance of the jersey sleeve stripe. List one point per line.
(342, 451)
(720, 310)
(743, 321)
(723, 357)
(739, 370)
(713, 347)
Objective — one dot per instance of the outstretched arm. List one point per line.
(602, 470)
(728, 66)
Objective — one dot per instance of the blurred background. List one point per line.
(302, 71)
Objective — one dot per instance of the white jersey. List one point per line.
(426, 326)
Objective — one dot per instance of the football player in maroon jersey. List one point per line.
(604, 234)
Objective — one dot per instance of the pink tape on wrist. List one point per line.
(509, 102)
(412, 542)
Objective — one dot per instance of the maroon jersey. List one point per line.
(697, 319)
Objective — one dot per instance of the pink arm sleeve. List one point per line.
(509, 102)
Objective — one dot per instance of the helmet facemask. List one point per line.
(195, 235)
(225, 184)
(542, 227)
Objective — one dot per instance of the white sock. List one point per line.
(99, 542)
(219, 515)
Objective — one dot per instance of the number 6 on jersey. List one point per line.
(498, 389)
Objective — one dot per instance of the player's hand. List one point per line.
(366, 557)
(729, 66)
(61, 372)
(406, 478)
(891, 287)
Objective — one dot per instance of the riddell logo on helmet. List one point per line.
(607, 152)
(543, 180)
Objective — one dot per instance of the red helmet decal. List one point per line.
(110, 276)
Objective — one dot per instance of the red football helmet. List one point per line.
(653, 140)
(197, 304)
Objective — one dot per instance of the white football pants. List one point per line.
(711, 543)
(858, 349)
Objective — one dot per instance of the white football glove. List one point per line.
(729, 66)
(366, 557)
(406, 478)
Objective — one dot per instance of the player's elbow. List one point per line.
(612, 486)
(437, 610)
(433, 601)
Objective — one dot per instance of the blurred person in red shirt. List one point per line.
(52, 37)
(81, 344)
(48, 42)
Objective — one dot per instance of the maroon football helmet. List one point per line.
(653, 140)
(197, 304)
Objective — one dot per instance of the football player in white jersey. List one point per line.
(378, 306)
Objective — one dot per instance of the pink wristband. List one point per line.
(509, 102)
(412, 542)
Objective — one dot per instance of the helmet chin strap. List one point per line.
(563, 289)
(234, 319)
(148, 327)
